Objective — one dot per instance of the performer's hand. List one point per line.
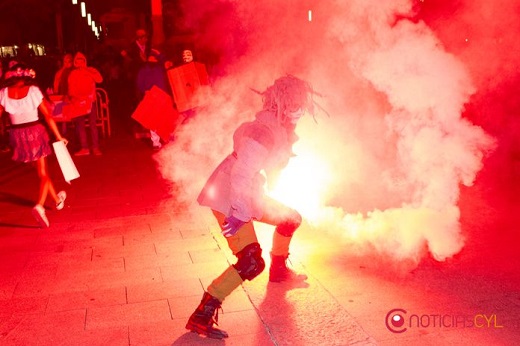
(231, 226)
(64, 140)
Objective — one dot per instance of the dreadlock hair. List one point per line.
(288, 93)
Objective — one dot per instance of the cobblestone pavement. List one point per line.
(125, 264)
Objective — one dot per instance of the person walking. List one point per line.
(234, 193)
(135, 57)
(153, 73)
(22, 99)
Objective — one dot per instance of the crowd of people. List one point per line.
(29, 92)
(115, 70)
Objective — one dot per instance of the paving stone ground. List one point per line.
(125, 264)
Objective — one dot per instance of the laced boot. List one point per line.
(279, 271)
(205, 316)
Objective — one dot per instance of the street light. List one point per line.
(83, 10)
(89, 19)
(74, 2)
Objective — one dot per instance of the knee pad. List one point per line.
(250, 262)
(288, 227)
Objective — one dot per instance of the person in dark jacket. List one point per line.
(153, 73)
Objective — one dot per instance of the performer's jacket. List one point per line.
(236, 187)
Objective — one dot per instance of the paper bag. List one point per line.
(68, 168)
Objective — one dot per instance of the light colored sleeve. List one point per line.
(35, 96)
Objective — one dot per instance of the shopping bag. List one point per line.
(67, 166)
(76, 108)
(156, 112)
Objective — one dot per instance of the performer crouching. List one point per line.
(234, 192)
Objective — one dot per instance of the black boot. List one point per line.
(279, 271)
(205, 316)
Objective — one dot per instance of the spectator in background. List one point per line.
(134, 58)
(22, 99)
(153, 73)
(60, 85)
(82, 92)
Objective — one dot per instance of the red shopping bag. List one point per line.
(76, 108)
(156, 112)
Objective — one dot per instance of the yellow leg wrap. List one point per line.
(246, 235)
(226, 283)
(280, 245)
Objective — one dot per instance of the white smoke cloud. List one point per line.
(393, 151)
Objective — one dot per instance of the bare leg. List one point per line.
(45, 182)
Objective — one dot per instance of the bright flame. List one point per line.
(303, 183)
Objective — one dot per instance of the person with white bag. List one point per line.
(28, 137)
